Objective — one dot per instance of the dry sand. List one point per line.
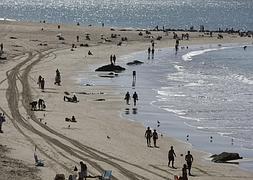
(100, 138)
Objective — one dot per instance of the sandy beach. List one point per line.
(101, 138)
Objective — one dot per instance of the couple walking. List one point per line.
(149, 135)
(127, 98)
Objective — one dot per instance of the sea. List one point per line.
(203, 95)
(213, 14)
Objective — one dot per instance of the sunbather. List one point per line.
(70, 99)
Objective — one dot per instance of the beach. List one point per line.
(102, 138)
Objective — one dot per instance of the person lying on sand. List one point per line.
(70, 99)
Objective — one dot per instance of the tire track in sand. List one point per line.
(12, 95)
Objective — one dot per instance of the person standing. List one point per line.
(2, 119)
(189, 160)
(2, 47)
(155, 137)
(41, 102)
(171, 156)
(83, 173)
(184, 172)
(114, 59)
(153, 52)
(149, 50)
(39, 81)
(135, 97)
(42, 84)
(127, 98)
(111, 60)
(134, 76)
(148, 135)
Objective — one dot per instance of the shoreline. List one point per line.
(92, 116)
(221, 143)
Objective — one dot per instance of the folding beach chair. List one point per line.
(38, 162)
(106, 175)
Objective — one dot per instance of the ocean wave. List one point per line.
(243, 79)
(190, 55)
(190, 118)
(6, 19)
(171, 94)
(175, 111)
(179, 68)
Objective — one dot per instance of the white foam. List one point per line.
(6, 19)
(188, 56)
(243, 79)
(171, 94)
(175, 111)
(190, 118)
(179, 68)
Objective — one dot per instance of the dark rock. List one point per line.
(3, 58)
(225, 156)
(59, 177)
(111, 67)
(12, 37)
(135, 62)
(100, 100)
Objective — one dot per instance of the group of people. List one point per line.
(113, 59)
(188, 165)
(41, 80)
(72, 119)
(41, 105)
(82, 174)
(171, 154)
(149, 134)
(128, 97)
(2, 119)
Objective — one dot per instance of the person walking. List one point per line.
(127, 98)
(189, 160)
(148, 135)
(135, 97)
(171, 156)
(155, 137)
